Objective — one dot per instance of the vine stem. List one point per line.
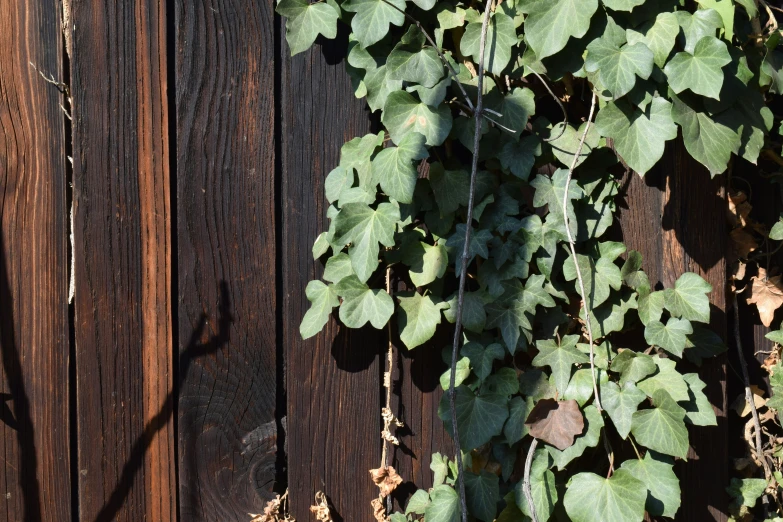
(560, 103)
(573, 252)
(464, 261)
(526, 480)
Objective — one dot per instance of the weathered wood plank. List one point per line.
(226, 250)
(676, 219)
(35, 474)
(333, 380)
(122, 220)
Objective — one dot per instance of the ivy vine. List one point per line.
(488, 195)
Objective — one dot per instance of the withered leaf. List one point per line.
(739, 208)
(556, 422)
(743, 242)
(386, 479)
(767, 295)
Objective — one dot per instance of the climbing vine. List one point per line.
(488, 198)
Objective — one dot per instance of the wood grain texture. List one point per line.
(677, 221)
(333, 380)
(122, 232)
(226, 250)
(34, 456)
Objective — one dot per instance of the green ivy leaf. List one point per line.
(747, 491)
(418, 502)
(659, 37)
(474, 316)
(725, 8)
(701, 72)
(462, 372)
(618, 66)
(364, 228)
(671, 336)
(394, 169)
(501, 37)
(372, 19)
(589, 439)
(337, 267)
(580, 387)
(478, 245)
(479, 418)
(323, 299)
(443, 506)
(703, 343)
(707, 140)
(481, 359)
(565, 146)
(515, 428)
(305, 21)
(650, 306)
(450, 187)
(542, 487)
(482, 493)
(599, 277)
(698, 410)
(403, 114)
(688, 299)
(663, 487)
(515, 109)
(704, 22)
(621, 404)
(419, 318)
(552, 22)
(362, 303)
(639, 136)
(632, 366)
(519, 157)
(427, 262)
(619, 498)
(560, 358)
(623, 5)
(662, 428)
(412, 61)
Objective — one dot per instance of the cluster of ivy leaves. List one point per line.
(399, 199)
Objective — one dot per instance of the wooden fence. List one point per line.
(174, 384)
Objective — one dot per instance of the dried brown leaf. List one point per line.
(274, 511)
(386, 479)
(743, 242)
(739, 209)
(767, 295)
(378, 511)
(321, 508)
(556, 422)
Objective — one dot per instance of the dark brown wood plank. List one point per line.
(333, 380)
(122, 221)
(226, 250)
(676, 219)
(34, 456)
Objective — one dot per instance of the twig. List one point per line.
(464, 261)
(573, 253)
(772, 22)
(562, 107)
(749, 393)
(526, 480)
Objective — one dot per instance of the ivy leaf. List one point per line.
(747, 491)
(357, 154)
(418, 502)
(551, 23)
(703, 343)
(479, 418)
(419, 318)
(536, 385)
(556, 422)
(379, 86)
(599, 277)
(439, 465)
(667, 378)
(478, 244)
(725, 8)
(621, 404)
(411, 61)
(708, 141)
(658, 37)
(502, 382)
(515, 428)
(650, 306)
(393, 167)
(520, 156)
(550, 192)
(364, 228)
(482, 493)
(443, 506)
(698, 410)
(704, 22)
(462, 372)
(639, 136)
(564, 147)
(623, 5)
(671, 336)
(619, 498)
(450, 187)
(663, 487)
(372, 19)
(701, 72)
(337, 267)
(632, 366)
(580, 387)
(481, 359)
(501, 37)
(560, 358)
(474, 316)
(589, 439)
(515, 108)
(542, 487)
(427, 262)
(403, 114)
(662, 428)
(688, 299)
(323, 299)
(362, 304)
(617, 67)
(305, 21)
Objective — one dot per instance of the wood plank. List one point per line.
(122, 220)
(226, 251)
(333, 380)
(676, 219)
(35, 469)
